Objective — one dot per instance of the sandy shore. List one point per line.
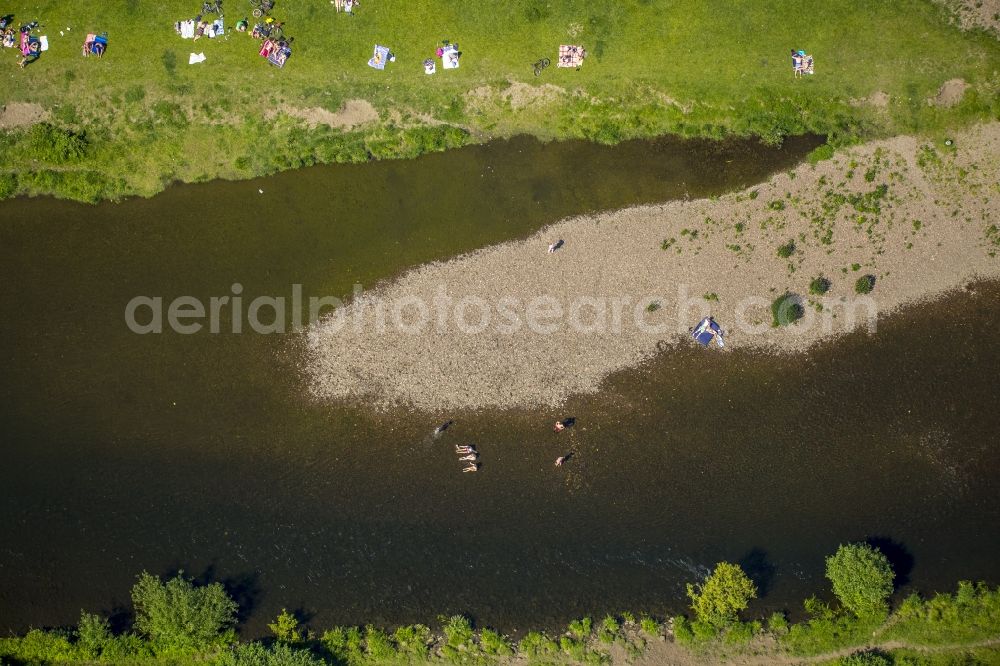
(515, 326)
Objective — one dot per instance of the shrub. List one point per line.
(971, 614)
(819, 286)
(741, 633)
(777, 623)
(703, 631)
(682, 630)
(862, 579)
(93, 633)
(286, 628)
(866, 658)
(609, 629)
(536, 644)
(457, 630)
(786, 309)
(777, 204)
(724, 593)
(178, 616)
(378, 646)
(256, 654)
(8, 185)
(495, 644)
(413, 640)
(864, 284)
(344, 645)
(649, 625)
(39, 647)
(581, 628)
(786, 250)
(826, 630)
(47, 143)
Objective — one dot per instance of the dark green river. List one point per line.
(125, 452)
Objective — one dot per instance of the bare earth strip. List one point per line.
(917, 217)
(976, 13)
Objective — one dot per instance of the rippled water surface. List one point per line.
(124, 452)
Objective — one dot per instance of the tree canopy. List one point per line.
(726, 592)
(178, 616)
(862, 579)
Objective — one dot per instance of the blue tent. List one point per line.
(706, 331)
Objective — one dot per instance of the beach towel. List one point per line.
(449, 58)
(187, 29)
(100, 44)
(215, 29)
(196, 58)
(279, 56)
(44, 42)
(429, 66)
(379, 58)
(571, 56)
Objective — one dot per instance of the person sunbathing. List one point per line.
(464, 449)
(471, 456)
(27, 58)
(473, 467)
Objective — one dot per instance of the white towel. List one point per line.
(44, 42)
(187, 29)
(196, 58)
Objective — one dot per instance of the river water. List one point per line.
(124, 452)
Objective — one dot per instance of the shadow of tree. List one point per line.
(899, 557)
(759, 569)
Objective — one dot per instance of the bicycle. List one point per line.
(540, 65)
(269, 29)
(261, 7)
(212, 7)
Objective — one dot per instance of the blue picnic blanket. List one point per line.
(278, 57)
(380, 57)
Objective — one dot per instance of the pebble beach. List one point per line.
(517, 326)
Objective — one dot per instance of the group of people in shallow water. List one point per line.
(467, 453)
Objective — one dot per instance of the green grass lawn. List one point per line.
(689, 67)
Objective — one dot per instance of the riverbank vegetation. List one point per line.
(141, 117)
(176, 621)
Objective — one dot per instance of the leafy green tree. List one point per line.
(178, 616)
(862, 579)
(726, 592)
(286, 628)
(93, 633)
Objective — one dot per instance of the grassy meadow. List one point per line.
(142, 117)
